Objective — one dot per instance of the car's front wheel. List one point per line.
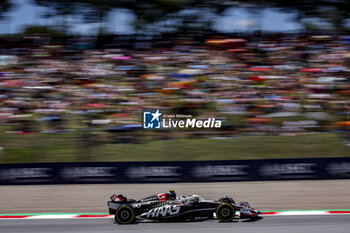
(125, 215)
(225, 212)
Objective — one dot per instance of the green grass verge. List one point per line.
(66, 148)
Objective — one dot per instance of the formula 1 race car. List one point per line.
(166, 207)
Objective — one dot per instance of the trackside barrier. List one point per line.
(185, 171)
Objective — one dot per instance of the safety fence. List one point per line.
(179, 171)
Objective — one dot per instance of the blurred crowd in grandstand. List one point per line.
(256, 84)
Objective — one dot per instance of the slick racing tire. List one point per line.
(125, 215)
(225, 212)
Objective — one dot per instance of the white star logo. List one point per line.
(156, 115)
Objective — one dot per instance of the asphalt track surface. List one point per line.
(268, 224)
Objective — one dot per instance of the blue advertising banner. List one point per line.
(185, 171)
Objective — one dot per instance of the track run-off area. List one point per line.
(92, 198)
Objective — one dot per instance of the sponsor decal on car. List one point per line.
(113, 205)
(167, 210)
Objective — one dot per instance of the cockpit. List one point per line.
(189, 199)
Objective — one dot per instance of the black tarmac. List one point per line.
(268, 224)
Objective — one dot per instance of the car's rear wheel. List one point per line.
(225, 212)
(125, 215)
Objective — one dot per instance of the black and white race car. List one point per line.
(167, 207)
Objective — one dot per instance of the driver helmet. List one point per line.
(172, 194)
